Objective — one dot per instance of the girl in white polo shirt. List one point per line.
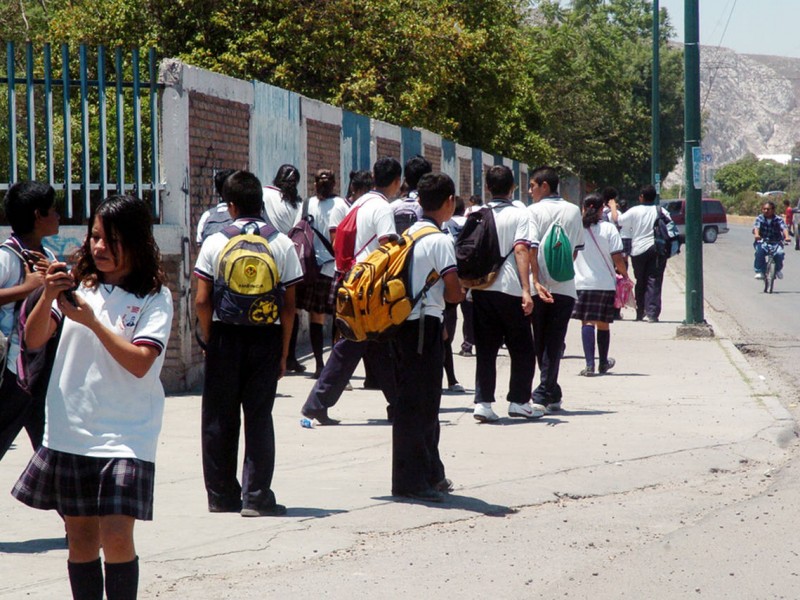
(104, 400)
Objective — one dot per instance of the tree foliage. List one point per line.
(532, 80)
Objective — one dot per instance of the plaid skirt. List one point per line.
(595, 305)
(316, 297)
(87, 486)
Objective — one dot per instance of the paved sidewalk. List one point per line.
(541, 508)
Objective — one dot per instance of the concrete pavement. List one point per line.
(608, 499)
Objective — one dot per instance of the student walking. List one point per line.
(595, 281)
(417, 468)
(96, 464)
(246, 348)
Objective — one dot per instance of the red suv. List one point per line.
(715, 221)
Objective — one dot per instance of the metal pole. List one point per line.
(655, 161)
(693, 160)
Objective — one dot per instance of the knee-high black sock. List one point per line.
(603, 343)
(293, 342)
(122, 580)
(448, 365)
(86, 580)
(587, 337)
(315, 334)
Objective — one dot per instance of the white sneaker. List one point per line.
(456, 387)
(553, 407)
(529, 410)
(483, 413)
(779, 274)
(759, 276)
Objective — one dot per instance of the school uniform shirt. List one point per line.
(434, 252)
(327, 215)
(220, 208)
(454, 226)
(94, 406)
(542, 214)
(636, 224)
(375, 219)
(12, 274)
(594, 267)
(289, 269)
(512, 225)
(282, 215)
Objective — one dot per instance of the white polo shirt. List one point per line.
(542, 214)
(594, 267)
(636, 224)
(434, 252)
(282, 215)
(282, 248)
(512, 224)
(94, 406)
(375, 219)
(327, 215)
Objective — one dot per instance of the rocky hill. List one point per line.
(749, 104)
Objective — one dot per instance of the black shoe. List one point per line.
(390, 413)
(445, 486)
(295, 366)
(317, 372)
(651, 319)
(321, 416)
(429, 495)
(606, 366)
(222, 506)
(276, 510)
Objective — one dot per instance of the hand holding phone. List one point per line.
(68, 295)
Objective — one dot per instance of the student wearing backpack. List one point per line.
(216, 218)
(282, 206)
(325, 211)
(417, 469)
(407, 210)
(24, 260)
(556, 226)
(368, 224)
(105, 401)
(648, 267)
(500, 310)
(246, 350)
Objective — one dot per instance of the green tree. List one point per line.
(739, 176)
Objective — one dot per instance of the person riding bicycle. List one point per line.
(770, 229)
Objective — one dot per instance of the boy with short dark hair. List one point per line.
(24, 260)
(243, 365)
(417, 470)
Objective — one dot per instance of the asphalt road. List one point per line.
(763, 326)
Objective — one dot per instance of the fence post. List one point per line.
(12, 114)
(67, 133)
(103, 142)
(29, 112)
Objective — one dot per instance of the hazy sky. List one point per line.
(755, 27)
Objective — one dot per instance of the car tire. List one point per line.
(710, 235)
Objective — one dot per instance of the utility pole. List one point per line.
(655, 156)
(695, 324)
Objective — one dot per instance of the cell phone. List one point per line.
(68, 295)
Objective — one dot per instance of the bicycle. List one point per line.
(771, 249)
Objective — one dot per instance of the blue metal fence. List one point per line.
(82, 175)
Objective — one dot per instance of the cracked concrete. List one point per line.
(673, 476)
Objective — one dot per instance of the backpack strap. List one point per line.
(323, 240)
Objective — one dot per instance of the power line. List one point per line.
(722, 37)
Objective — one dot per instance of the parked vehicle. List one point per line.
(715, 221)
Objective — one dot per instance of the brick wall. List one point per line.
(387, 147)
(465, 177)
(173, 373)
(323, 151)
(434, 155)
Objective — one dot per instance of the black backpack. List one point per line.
(478, 257)
(665, 236)
(217, 221)
(405, 216)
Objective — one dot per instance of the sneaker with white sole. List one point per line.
(483, 413)
(779, 274)
(456, 387)
(529, 410)
(553, 407)
(759, 275)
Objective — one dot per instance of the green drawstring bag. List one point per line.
(558, 253)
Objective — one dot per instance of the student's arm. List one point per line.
(21, 291)
(40, 327)
(619, 263)
(287, 323)
(204, 308)
(136, 359)
(453, 293)
(538, 288)
(522, 257)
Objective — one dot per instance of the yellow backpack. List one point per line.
(373, 299)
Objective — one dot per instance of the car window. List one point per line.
(673, 206)
(713, 208)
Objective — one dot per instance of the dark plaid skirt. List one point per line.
(87, 486)
(595, 305)
(316, 297)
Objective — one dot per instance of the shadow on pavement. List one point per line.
(458, 502)
(33, 546)
(316, 513)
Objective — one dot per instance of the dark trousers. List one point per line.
(416, 465)
(498, 318)
(18, 410)
(242, 367)
(648, 268)
(550, 323)
(450, 321)
(341, 364)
